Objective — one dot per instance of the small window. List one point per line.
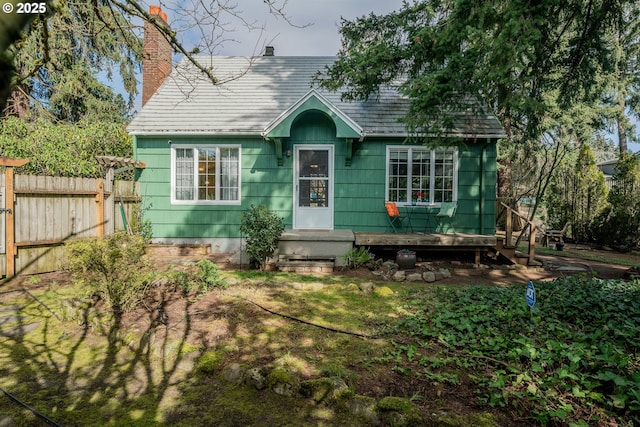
(422, 176)
(208, 174)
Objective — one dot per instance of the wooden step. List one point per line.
(307, 266)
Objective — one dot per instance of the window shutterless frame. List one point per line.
(203, 174)
(407, 168)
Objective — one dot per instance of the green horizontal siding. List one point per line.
(359, 189)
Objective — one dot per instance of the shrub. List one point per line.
(112, 268)
(139, 224)
(263, 229)
(209, 276)
(203, 280)
(358, 257)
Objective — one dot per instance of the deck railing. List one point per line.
(509, 232)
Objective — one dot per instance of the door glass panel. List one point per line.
(313, 179)
(314, 163)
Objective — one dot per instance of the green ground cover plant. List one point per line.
(574, 358)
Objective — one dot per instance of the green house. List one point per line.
(267, 134)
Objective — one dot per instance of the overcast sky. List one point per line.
(320, 38)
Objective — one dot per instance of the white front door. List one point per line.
(313, 187)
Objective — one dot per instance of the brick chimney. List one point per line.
(156, 58)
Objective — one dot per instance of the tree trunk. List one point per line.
(622, 133)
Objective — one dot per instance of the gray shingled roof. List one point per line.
(255, 91)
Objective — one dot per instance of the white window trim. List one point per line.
(175, 201)
(432, 171)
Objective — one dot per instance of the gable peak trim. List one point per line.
(281, 126)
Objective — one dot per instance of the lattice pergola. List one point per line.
(119, 164)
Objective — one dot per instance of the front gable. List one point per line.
(281, 126)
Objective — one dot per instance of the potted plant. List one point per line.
(406, 259)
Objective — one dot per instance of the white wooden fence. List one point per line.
(47, 211)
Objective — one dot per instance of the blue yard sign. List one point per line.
(531, 295)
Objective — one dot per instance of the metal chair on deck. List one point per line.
(446, 214)
(393, 215)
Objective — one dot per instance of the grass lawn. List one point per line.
(330, 354)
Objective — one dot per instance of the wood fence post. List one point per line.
(100, 207)
(10, 225)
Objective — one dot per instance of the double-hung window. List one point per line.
(205, 174)
(422, 176)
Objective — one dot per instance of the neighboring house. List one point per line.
(268, 135)
(608, 168)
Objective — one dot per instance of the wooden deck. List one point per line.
(425, 240)
(334, 244)
(477, 243)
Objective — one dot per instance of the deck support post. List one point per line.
(532, 244)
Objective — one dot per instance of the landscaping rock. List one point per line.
(318, 389)
(314, 286)
(283, 382)
(399, 276)
(341, 390)
(366, 287)
(6, 421)
(307, 286)
(234, 373)
(414, 277)
(397, 411)
(255, 378)
(365, 407)
(332, 288)
(390, 265)
(429, 276)
(445, 273)
(352, 287)
(209, 361)
(438, 276)
(472, 420)
(383, 291)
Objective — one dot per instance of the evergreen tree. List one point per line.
(578, 194)
(53, 59)
(618, 225)
(58, 64)
(529, 63)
